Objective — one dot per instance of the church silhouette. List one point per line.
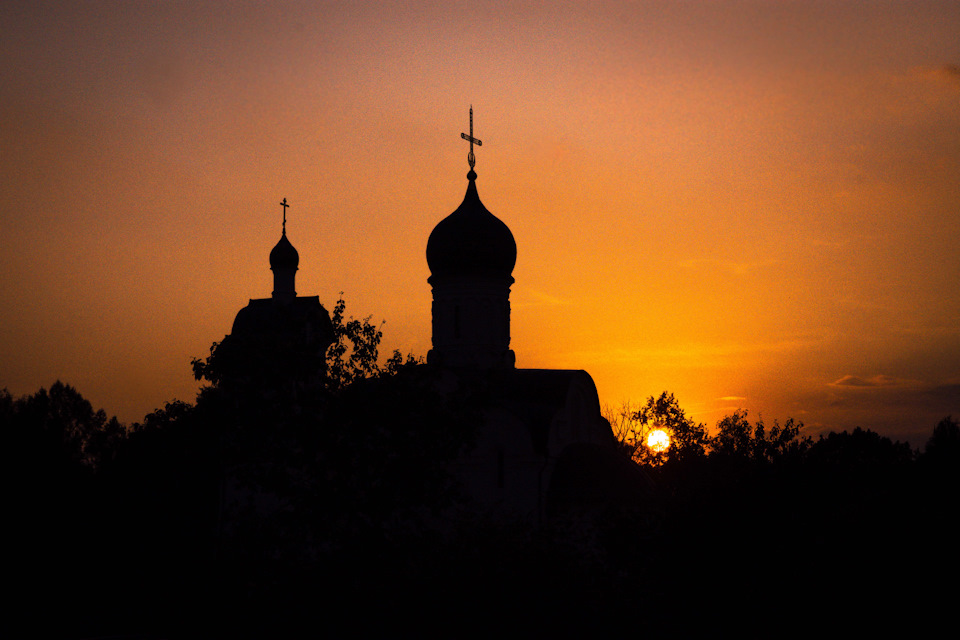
(542, 446)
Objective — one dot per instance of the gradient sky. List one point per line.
(750, 204)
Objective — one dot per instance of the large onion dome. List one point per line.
(284, 255)
(471, 241)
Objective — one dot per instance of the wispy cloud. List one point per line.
(730, 266)
(879, 380)
(898, 408)
(831, 243)
(952, 71)
(698, 354)
(933, 331)
(533, 297)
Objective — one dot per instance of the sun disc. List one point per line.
(658, 441)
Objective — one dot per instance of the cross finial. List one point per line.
(284, 205)
(471, 159)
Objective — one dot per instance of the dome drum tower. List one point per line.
(471, 254)
(471, 323)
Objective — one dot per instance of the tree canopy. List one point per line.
(258, 503)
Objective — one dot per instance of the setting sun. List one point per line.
(658, 441)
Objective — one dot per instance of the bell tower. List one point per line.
(284, 262)
(471, 254)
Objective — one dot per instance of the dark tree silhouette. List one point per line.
(943, 447)
(55, 505)
(860, 451)
(354, 470)
(354, 352)
(60, 424)
(737, 438)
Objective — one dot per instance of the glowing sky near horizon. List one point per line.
(749, 204)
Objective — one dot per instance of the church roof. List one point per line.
(471, 241)
(266, 316)
(536, 395)
(284, 255)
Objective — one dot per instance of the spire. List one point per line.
(284, 261)
(471, 254)
(284, 205)
(471, 159)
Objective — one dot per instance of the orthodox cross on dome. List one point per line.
(471, 159)
(284, 205)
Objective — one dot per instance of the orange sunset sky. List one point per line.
(749, 204)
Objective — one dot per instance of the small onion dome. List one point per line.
(284, 255)
(471, 241)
